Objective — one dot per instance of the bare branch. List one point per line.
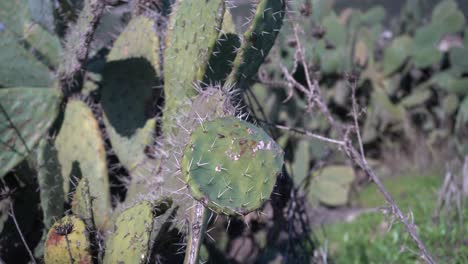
(12, 215)
(312, 91)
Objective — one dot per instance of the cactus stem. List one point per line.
(199, 221)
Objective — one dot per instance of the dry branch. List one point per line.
(313, 94)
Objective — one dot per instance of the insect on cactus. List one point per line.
(198, 157)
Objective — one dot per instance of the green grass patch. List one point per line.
(375, 238)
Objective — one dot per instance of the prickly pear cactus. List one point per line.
(191, 37)
(50, 184)
(82, 204)
(257, 41)
(21, 129)
(130, 78)
(68, 242)
(331, 185)
(130, 240)
(231, 166)
(82, 154)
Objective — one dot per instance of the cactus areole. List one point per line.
(231, 165)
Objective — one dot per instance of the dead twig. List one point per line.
(20, 233)
(312, 91)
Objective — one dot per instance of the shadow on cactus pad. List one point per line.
(126, 99)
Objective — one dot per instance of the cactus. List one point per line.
(257, 41)
(21, 129)
(19, 37)
(446, 19)
(130, 81)
(50, 185)
(68, 242)
(81, 153)
(231, 165)
(201, 50)
(130, 241)
(331, 185)
(396, 54)
(23, 68)
(82, 204)
(190, 40)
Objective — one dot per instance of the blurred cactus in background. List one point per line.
(412, 77)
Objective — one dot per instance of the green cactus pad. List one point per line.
(58, 250)
(46, 45)
(231, 165)
(416, 98)
(50, 182)
(17, 31)
(258, 40)
(13, 14)
(82, 154)
(458, 57)
(130, 241)
(129, 88)
(138, 40)
(191, 37)
(396, 54)
(446, 19)
(19, 67)
(450, 83)
(21, 129)
(224, 53)
(82, 203)
(331, 185)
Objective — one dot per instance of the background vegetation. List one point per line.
(397, 69)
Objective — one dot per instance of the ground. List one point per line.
(372, 238)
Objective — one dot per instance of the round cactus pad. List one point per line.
(231, 165)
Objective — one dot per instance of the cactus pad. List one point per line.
(20, 129)
(67, 239)
(231, 165)
(138, 40)
(130, 242)
(19, 67)
(331, 186)
(258, 40)
(50, 182)
(81, 151)
(191, 37)
(82, 203)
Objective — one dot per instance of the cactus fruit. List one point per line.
(68, 242)
(130, 81)
(81, 150)
(130, 240)
(20, 129)
(231, 165)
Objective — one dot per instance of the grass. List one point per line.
(372, 238)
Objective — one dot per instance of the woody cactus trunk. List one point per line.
(197, 158)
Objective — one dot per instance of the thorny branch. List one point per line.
(312, 92)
